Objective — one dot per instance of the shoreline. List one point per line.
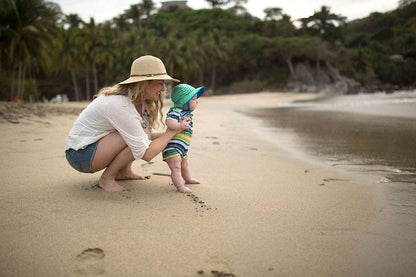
(257, 212)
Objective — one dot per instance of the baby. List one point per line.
(185, 100)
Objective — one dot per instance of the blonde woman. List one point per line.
(116, 127)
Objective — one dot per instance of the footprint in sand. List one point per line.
(215, 273)
(90, 262)
(200, 206)
(214, 138)
(147, 164)
(334, 180)
(217, 268)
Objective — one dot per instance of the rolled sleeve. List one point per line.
(123, 116)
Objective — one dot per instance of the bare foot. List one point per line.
(192, 181)
(129, 175)
(109, 185)
(183, 189)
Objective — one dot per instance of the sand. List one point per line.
(257, 212)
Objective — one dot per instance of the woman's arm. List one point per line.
(176, 125)
(156, 135)
(159, 143)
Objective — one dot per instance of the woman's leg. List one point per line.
(113, 154)
(186, 174)
(175, 169)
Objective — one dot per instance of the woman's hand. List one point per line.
(178, 126)
(183, 124)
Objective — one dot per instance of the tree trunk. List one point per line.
(87, 80)
(213, 78)
(94, 70)
(19, 81)
(12, 88)
(139, 24)
(23, 83)
(74, 81)
(290, 65)
(201, 75)
(318, 67)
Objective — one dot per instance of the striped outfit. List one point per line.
(179, 144)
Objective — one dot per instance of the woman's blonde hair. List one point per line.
(135, 92)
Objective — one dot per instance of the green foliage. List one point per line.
(283, 27)
(218, 3)
(245, 86)
(374, 40)
(222, 49)
(323, 23)
(27, 28)
(204, 20)
(404, 3)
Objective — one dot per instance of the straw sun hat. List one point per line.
(147, 68)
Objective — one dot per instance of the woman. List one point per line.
(116, 127)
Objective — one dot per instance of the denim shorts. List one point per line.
(81, 159)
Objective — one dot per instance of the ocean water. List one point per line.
(371, 137)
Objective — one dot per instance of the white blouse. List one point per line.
(106, 114)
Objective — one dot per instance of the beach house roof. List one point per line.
(168, 6)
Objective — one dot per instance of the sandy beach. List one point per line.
(258, 211)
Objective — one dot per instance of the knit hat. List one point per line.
(183, 93)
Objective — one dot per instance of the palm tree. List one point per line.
(73, 20)
(148, 6)
(217, 3)
(92, 37)
(27, 30)
(273, 13)
(323, 21)
(238, 6)
(216, 48)
(67, 53)
(134, 13)
(106, 53)
(120, 23)
(169, 51)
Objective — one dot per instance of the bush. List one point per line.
(243, 87)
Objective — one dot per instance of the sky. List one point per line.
(352, 9)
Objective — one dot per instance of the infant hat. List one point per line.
(183, 93)
(147, 68)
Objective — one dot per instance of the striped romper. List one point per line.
(179, 144)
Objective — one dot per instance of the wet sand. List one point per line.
(259, 211)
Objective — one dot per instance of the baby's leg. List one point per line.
(186, 174)
(175, 168)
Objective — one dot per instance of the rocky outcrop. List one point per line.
(326, 78)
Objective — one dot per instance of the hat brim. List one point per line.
(136, 79)
(198, 92)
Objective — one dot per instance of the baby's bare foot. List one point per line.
(109, 185)
(192, 181)
(183, 189)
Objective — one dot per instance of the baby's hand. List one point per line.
(184, 124)
(187, 118)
